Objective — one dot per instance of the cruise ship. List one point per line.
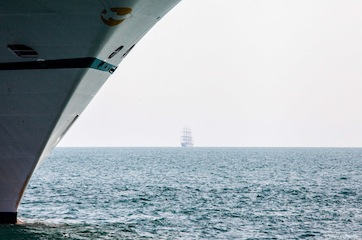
(54, 57)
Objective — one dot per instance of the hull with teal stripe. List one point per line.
(54, 57)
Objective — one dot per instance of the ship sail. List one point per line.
(186, 138)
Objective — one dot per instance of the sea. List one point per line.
(193, 193)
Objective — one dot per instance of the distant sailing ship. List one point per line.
(186, 138)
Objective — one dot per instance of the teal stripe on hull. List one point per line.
(88, 62)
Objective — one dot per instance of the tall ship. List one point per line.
(186, 138)
(54, 57)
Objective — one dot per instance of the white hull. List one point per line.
(42, 96)
(187, 145)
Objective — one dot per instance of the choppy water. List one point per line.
(198, 193)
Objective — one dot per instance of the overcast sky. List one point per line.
(238, 73)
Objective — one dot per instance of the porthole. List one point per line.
(126, 53)
(115, 52)
(23, 51)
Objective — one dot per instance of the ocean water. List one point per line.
(195, 193)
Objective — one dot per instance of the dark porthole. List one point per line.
(23, 51)
(115, 52)
(126, 53)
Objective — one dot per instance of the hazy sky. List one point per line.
(239, 73)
